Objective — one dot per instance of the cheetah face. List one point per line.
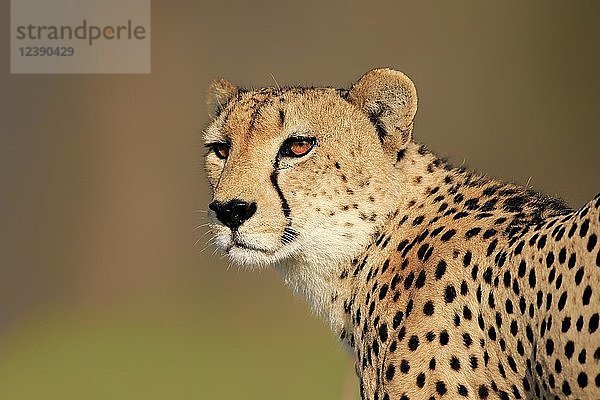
(298, 174)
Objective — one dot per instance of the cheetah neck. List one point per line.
(413, 192)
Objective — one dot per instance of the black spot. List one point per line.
(587, 294)
(440, 387)
(440, 269)
(522, 268)
(401, 333)
(430, 336)
(467, 258)
(418, 220)
(395, 281)
(509, 306)
(383, 333)
(472, 232)
(487, 275)
(572, 260)
(402, 244)
(593, 324)
(393, 346)
(581, 357)
(549, 259)
(474, 272)
(409, 307)
(492, 332)
(584, 228)
(420, 282)
(541, 242)
(436, 231)
(471, 204)
(579, 276)
(566, 389)
(483, 392)
(592, 242)
(449, 294)
(375, 348)
(582, 379)
(501, 370)
(473, 362)
(492, 247)
(383, 291)
(444, 337)
(519, 247)
(569, 349)
(512, 364)
(385, 265)
(489, 233)
(506, 278)
(532, 278)
(413, 342)
(514, 204)
(460, 215)
(467, 314)
(455, 363)
(448, 235)
(408, 281)
(389, 372)
(397, 319)
(456, 319)
(462, 390)
(421, 380)
(404, 366)
(562, 255)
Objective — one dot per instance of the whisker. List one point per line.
(202, 226)
(276, 84)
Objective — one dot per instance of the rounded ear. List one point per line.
(220, 92)
(389, 99)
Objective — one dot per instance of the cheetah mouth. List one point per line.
(241, 244)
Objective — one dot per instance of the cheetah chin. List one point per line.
(442, 283)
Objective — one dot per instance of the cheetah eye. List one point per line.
(297, 146)
(220, 149)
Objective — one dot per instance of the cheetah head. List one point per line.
(305, 174)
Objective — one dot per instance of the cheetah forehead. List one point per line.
(385, 98)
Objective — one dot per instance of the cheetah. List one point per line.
(442, 283)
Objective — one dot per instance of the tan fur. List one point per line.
(423, 270)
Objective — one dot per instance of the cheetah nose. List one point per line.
(233, 213)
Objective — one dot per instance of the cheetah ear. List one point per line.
(389, 99)
(220, 92)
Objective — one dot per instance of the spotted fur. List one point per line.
(442, 283)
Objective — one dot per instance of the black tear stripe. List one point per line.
(289, 233)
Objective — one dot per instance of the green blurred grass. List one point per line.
(190, 348)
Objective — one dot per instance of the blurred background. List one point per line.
(108, 289)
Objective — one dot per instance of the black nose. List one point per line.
(233, 213)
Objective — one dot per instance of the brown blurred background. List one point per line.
(103, 294)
